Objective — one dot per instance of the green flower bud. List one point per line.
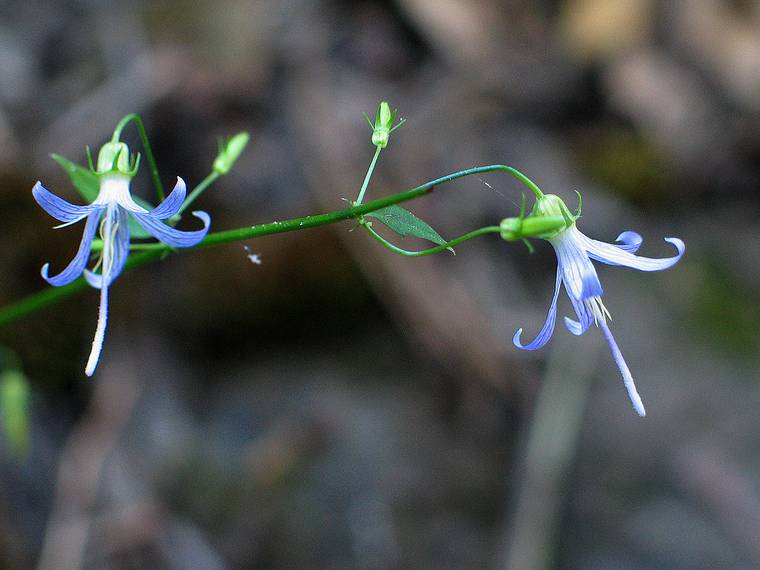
(114, 157)
(380, 138)
(383, 127)
(229, 152)
(552, 205)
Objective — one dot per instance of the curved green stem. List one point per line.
(368, 175)
(135, 118)
(525, 180)
(151, 252)
(432, 250)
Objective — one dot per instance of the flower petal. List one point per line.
(585, 317)
(77, 265)
(173, 202)
(575, 327)
(171, 236)
(578, 273)
(630, 385)
(546, 332)
(614, 255)
(631, 241)
(120, 252)
(59, 208)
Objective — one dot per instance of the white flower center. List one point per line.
(114, 189)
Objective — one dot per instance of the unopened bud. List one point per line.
(114, 158)
(229, 152)
(383, 127)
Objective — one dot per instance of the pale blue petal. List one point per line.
(591, 288)
(578, 273)
(575, 327)
(629, 241)
(171, 236)
(93, 279)
(173, 202)
(546, 332)
(614, 255)
(121, 244)
(120, 252)
(579, 276)
(59, 208)
(77, 265)
(630, 385)
(584, 315)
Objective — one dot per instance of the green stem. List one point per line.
(135, 118)
(198, 190)
(49, 296)
(432, 250)
(36, 301)
(368, 176)
(524, 179)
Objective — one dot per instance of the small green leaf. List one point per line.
(85, 181)
(404, 223)
(87, 184)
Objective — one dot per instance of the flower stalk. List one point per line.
(151, 252)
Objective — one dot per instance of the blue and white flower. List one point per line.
(575, 252)
(108, 215)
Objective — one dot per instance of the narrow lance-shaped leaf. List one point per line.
(404, 223)
(84, 180)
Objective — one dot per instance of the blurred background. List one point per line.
(340, 407)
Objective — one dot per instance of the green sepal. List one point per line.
(579, 209)
(87, 184)
(404, 223)
(529, 245)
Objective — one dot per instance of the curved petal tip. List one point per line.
(574, 326)
(678, 244)
(204, 217)
(630, 241)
